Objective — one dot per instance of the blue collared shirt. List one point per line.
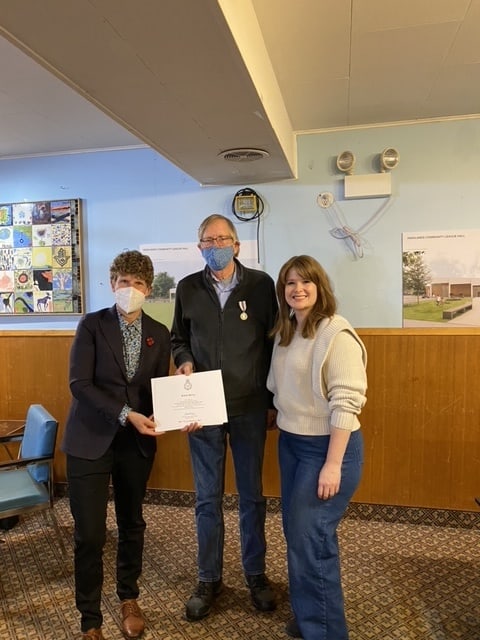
(224, 288)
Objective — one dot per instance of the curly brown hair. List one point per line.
(132, 263)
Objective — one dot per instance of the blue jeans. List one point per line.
(310, 527)
(208, 447)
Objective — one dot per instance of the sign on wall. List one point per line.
(40, 257)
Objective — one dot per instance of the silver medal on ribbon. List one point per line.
(243, 308)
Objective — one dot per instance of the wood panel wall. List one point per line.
(421, 423)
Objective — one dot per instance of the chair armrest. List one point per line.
(11, 438)
(24, 462)
(11, 428)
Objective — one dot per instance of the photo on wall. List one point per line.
(40, 257)
(441, 278)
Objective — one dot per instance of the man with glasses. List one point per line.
(223, 318)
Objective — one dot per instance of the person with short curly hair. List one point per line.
(133, 263)
(110, 437)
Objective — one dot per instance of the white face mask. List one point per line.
(129, 299)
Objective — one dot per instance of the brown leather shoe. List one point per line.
(93, 634)
(133, 623)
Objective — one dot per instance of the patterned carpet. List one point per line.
(402, 581)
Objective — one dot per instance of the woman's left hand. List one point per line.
(329, 480)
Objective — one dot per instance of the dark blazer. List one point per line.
(99, 385)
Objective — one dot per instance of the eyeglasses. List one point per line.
(221, 241)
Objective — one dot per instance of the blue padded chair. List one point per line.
(26, 484)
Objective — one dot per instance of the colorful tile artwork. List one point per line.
(40, 257)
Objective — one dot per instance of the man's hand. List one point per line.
(193, 426)
(184, 369)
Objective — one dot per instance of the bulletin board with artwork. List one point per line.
(40, 257)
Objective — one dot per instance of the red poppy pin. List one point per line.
(150, 342)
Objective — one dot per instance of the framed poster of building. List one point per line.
(441, 278)
(40, 257)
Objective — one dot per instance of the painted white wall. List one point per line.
(136, 197)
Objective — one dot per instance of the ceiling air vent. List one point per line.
(243, 155)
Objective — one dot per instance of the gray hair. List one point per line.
(214, 218)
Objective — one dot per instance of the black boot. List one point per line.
(261, 592)
(199, 604)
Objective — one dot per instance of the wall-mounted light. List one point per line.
(346, 162)
(372, 185)
(389, 159)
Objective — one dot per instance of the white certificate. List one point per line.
(180, 400)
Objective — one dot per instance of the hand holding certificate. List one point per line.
(181, 400)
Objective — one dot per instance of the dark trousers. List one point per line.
(89, 491)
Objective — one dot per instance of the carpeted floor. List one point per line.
(402, 581)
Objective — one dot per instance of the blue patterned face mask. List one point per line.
(218, 258)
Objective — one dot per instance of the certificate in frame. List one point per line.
(40, 258)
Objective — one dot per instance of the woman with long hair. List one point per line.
(318, 378)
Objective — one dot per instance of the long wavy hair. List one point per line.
(324, 307)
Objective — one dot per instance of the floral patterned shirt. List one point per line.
(132, 344)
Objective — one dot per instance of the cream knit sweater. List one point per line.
(320, 383)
